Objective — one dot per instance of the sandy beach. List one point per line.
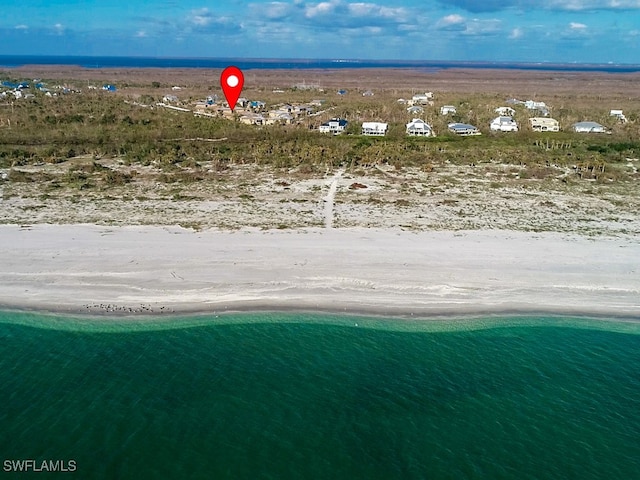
(459, 228)
(157, 270)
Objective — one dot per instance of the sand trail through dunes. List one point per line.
(330, 199)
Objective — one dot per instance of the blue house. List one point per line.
(109, 88)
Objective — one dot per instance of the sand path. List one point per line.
(330, 199)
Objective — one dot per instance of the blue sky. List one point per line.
(585, 31)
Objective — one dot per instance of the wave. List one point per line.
(119, 324)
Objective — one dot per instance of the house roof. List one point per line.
(462, 127)
(547, 120)
(417, 121)
(341, 122)
(588, 125)
(503, 119)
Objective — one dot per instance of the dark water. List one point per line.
(285, 396)
(288, 63)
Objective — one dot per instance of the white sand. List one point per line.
(86, 268)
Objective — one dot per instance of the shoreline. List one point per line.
(369, 321)
(108, 272)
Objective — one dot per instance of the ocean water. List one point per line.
(301, 396)
(289, 63)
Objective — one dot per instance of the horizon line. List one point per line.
(325, 59)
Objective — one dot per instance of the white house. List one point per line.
(463, 129)
(422, 99)
(589, 127)
(447, 109)
(335, 126)
(539, 106)
(170, 99)
(505, 111)
(374, 128)
(619, 115)
(415, 109)
(503, 124)
(544, 124)
(420, 128)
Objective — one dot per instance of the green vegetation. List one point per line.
(98, 125)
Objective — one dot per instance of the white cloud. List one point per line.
(528, 5)
(21, 27)
(578, 5)
(141, 34)
(482, 27)
(516, 33)
(449, 20)
(373, 10)
(332, 13)
(576, 30)
(59, 29)
(203, 20)
(320, 9)
(275, 10)
(201, 17)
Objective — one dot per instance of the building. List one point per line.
(256, 105)
(422, 99)
(505, 111)
(619, 115)
(252, 119)
(544, 124)
(463, 129)
(503, 124)
(540, 107)
(415, 110)
(447, 109)
(374, 128)
(278, 117)
(334, 126)
(588, 127)
(419, 128)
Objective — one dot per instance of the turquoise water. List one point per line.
(298, 396)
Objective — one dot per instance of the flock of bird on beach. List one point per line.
(143, 308)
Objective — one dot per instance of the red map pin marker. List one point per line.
(231, 81)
